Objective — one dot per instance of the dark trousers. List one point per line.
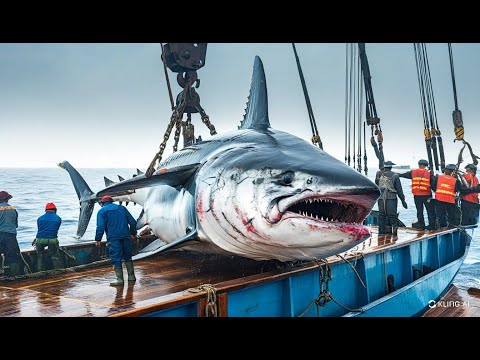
(447, 214)
(387, 214)
(421, 201)
(9, 247)
(120, 249)
(469, 213)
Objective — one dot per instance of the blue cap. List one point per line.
(388, 164)
(450, 167)
(423, 162)
(471, 166)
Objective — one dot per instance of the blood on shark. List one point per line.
(255, 192)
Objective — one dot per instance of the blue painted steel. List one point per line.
(295, 295)
(185, 310)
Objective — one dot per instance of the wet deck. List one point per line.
(457, 303)
(162, 282)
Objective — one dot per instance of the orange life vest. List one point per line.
(446, 189)
(421, 182)
(472, 181)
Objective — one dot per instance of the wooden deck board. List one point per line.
(164, 279)
(456, 303)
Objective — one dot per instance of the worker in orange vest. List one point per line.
(470, 204)
(446, 188)
(422, 195)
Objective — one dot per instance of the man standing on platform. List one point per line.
(422, 195)
(120, 228)
(390, 188)
(8, 233)
(446, 188)
(470, 204)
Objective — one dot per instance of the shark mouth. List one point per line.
(331, 208)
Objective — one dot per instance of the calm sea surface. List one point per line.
(33, 188)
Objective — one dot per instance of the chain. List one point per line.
(211, 306)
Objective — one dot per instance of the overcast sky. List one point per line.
(106, 105)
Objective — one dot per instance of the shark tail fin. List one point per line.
(86, 197)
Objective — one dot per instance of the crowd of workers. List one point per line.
(112, 219)
(455, 202)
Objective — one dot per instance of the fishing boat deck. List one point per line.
(163, 281)
(457, 303)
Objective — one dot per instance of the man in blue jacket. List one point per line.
(120, 228)
(47, 236)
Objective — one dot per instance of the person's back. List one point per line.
(47, 236)
(8, 233)
(120, 228)
(115, 216)
(470, 202)
(390, 188)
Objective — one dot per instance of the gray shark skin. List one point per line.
(254, 192)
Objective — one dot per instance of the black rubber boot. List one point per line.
(394, 230)
(130, 271)
(14, 269)
(119, 274)
(388, 229)
(419, 226)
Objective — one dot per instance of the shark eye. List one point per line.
(287, 178)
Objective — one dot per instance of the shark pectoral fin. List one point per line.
(173, 177)
(159, 246)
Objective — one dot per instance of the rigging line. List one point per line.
(167, 78)
(359, 116)
(420, 87)
(346, 97)
(365, 169)
(422, 100)
(431, 106)
(355, 92)
(452, 70)
(350, 103)
(307, 98)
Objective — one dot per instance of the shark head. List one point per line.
(276, 196)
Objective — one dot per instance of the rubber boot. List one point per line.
(119, 274)
(394, 230)
(14, 269)
(130, 271)
(40, 261)
(388, 229)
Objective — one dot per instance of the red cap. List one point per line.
(5, 195)
(50, 206)
(106, 198)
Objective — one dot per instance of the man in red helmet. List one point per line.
(120, 228)
(8, 234)
(47, 236)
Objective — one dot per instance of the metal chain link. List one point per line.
(211, 305)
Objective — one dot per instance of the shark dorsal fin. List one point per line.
(256, 113)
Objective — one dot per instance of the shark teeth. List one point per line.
(329, 210)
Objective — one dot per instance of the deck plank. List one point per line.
(456, 303)
(165, 280)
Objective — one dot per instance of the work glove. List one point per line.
(404, 204)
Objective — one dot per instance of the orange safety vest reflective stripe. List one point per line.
(472, 181)
(421, 182)
(446, 189)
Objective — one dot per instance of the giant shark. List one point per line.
(255, 192)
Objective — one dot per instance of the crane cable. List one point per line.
(457, 115)
(427, 128)
(353, 110)
(315, 136)
(371, 112)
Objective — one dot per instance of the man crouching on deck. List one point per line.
(115, 221)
